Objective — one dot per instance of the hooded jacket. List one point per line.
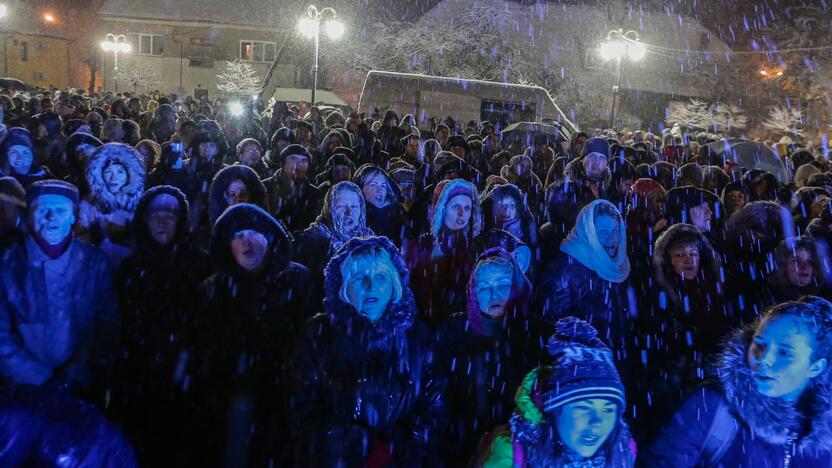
(766, 429)
(247, 322)
(523, 226)
(347, 399)
(388, 221)
(76, 167)
(585, 282)
(485, 360)
(216, 196)
(441, 261)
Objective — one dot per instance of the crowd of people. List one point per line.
(183, 285)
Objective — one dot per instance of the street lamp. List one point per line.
(311, 28)
(617, 46)
(115, 43)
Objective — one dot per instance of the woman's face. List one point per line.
(250, 155)
(20, 158)
(780, 358)
(249, 248)
(685, 261)
(608, 231)
(370, 287)
(346, 212)
(457, 212)
(505, 210)
(799, 268)
(236, 193)
(585, 425)
(115, 176)
(340, 173)
(492, 287)
(375, 191)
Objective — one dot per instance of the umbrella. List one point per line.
(751, 155)
(527, 131)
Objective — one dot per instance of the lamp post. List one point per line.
(618, 45)
(311, 28)
(115, 43)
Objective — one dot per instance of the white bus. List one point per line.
(426, 96)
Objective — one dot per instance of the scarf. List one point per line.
(582, 244)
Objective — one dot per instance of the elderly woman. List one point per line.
(586, 279)
(365, 389)
(770, 403)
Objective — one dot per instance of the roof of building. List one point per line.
(258, 13)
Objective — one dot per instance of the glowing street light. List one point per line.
(4, 10)
(620, 44)
(115, 43)
(49, 17)
(310, 26)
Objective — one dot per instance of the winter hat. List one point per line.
(51, 187)
(582, 367)
(644, 187)
(293, 149)
(244, 216)
(457, 140)
(692, 173)
(164, 202)
(12, 192)
(403, 175)
(282, 134)
(303, 124)
(681, 199)
(16, 137)
(345, 152)
(445, 162)
(596, 145)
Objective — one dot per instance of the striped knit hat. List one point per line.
(582, 367)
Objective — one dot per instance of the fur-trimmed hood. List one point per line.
(397, 318)
(216, 197)
(246, 216)
(709, 260)
(774, 419)
(128, 197)
(449, 189)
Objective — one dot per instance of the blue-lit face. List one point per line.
(780, 358)
(585, 425)
(369, 287)
(20, 159)
(52, 217)
(608, 231)
(457, 212)
(492, 286)
(249, 248)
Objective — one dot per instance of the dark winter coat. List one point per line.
(43, 427)
(523, 226)
(296, 206)
(156, 289)
(388, 221)
(358, 386)
(767, 429)
(58, 318)
(216, 197)
(248, 320)
(485, 360)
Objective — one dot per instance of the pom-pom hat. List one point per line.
(582, 367)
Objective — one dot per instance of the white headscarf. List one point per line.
(582, 244)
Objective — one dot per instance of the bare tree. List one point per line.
(137, 76)
(785, 120)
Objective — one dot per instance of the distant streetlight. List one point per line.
(49, 17)
(620, 44)
(311, 28)
(115, 43)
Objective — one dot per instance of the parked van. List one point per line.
(427, 96)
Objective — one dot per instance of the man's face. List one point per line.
(20, 159)
(442, 135)
(457, 212)
(594, 165)
(248, 247)
(346, 210)
(296, 167)
(250, 155)
(51, 218)
(734, 200)
(411, 150)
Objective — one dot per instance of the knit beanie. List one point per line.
(51, 187)
(596, 145)
(582, 367)
(12, 192)
(293, 149)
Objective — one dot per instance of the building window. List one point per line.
(40, 76)
(24, 51)
(147, 44)
(200, 62)
(257, 51)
